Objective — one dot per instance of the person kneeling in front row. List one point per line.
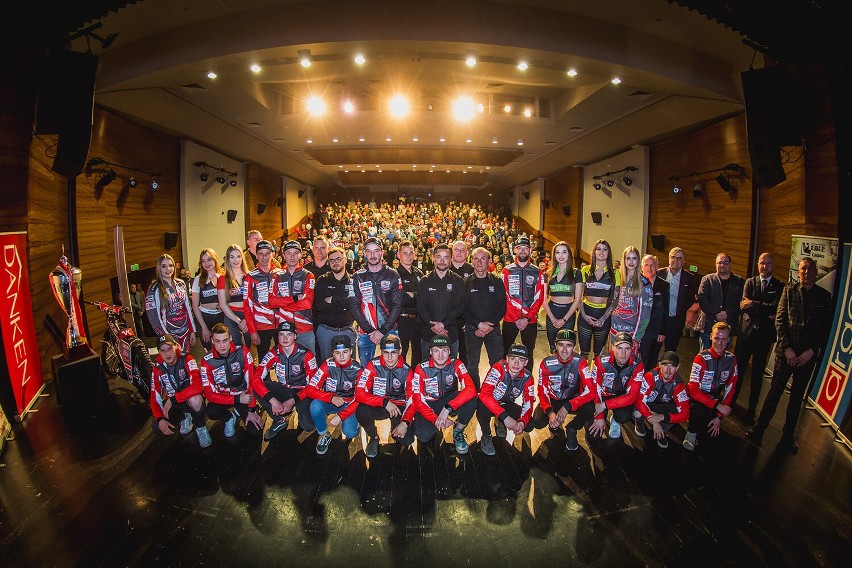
(663, 400)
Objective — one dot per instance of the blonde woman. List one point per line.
(205, 295)
(231, 289)
(167, 305)
(635, 296)
(564, 292)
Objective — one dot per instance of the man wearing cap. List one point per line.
(176, 392)
(332, 309)
(484, 307)
(409, 324)
(253, 237)
(293, 366)
(442, 388)
(226, 372)
(440, 299)
(711, 387)
(259, 315)
(375, 300)
(384, 391)
(663, 400)
(292, 295)
(332, 390)
(565, 386)
(525, 287)
(618, 378)
(508, 392)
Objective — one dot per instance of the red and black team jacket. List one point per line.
(617, 388)
(713, 378)
(656, 390)
(500, 388)
(224, 379)
(282, 297)
(293, 370)
(379, 384)
(180, 381)
(332, 380)
(570, 380)
(432, 383)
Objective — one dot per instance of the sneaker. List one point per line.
(663, 443)
(755, 434)
(203, 436)
(486, 444)
(278, 424)
(571, 440)
(500, 429)
(639, 428)
(323, 442)
(459, 441)
(372, 449)
(690, 441)
(231, 425)
(614, 429)
(186, 424)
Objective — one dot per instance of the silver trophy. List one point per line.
(65, 283)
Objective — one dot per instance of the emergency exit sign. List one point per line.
(134, 267)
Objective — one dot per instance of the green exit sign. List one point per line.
(692, 267)
(134, 267)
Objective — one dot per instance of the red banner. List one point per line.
(23, 360)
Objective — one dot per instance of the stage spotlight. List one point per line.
(220, 179)
(676, 188)
(597, 185)
(204, 176)
(610, 182)
(696, 189)
(106, 179)
(132, 182)
(233, 182)
(154, 185)
(627, 180)
(724, 183)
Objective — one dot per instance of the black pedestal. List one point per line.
(80, 385)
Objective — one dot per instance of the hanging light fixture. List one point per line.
(106, 179)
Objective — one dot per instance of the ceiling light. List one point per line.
(204, 176)
(233, 182)
(335, 139)
(527, 112)
(469, 140)
(361, 138)
(304, 57)
(523, 66)
(597, 185)
(154, 185)
(388, 138)
(507, 108)
(470, 59)
(309, 140)
(572, 73)
(442, 139)
(616, 81)
(211, 75)
(675, 187)
(493, 140)
(464, 108)
(627, 179)
(520, 141)
(316, 106)
(255, 68)
(399, 106)
(348, 107)
(610, 182)
(360, 59)
(415, 139)
(132, 182)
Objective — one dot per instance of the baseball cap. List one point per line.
(341, 342)
(167, 338)
(265, 245)
(292, 245)
(439, 341)
(375, 241)
(522, 242)
(517, 350)
(622, 337)
(566, 335)
(391, 342)
(670, 357)
(287, 326)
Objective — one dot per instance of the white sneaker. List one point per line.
(203, 436)
(231, 425)
(614, 429)
(186, 424)
(323, 442)
(690, 441)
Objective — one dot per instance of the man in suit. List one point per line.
(719, 296)
(802, 324)
(682, 290)
(758, 306)
(649, 346)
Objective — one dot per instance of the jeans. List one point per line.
(320, 411)
(366, 347)
(306, 339)
(324, 334)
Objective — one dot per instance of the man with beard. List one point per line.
(332, 308)
(259, 315)
(292, 295)
(525, 288)
(440, 299)
(719, 296)
(663, 400)
(618, 377)
(409, 324)
(293, 366)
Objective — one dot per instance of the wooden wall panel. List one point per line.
(263, 186)
(563, 189)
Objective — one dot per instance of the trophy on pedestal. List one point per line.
(65, 283)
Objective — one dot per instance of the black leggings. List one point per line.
(586, 332)
(559, 311)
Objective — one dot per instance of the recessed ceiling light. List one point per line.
(616, 80)
(359, 59)
(211, 75)
(469, 140)
(361, 138)
(348, 107)
(520, 141)
(523, 66)
(572, 72)
(335, 139)
(415, 139)
(442, 139)
(470, 60)
(255, 68)
(528, 112)
(387, 138)
(309, 140)
(493, 140)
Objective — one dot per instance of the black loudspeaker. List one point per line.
(232, 215)
(301, 193)
(773, 100)
(546, 203)
(566, 210)
(66, 98)
(526, 195)
(766, 168)
(261, 207)
(597, 217)
(169, 240)
(81, 389)
(658, 241)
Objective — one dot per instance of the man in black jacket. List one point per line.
(649, 346)
(719, 296)
(757, 330)
(682, 290)
(440, 300)
(485, 306)
(409, 324)
(802, 324)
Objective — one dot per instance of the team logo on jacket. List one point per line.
(236, 367)
(296, 368)
(297, 287)
(491, 289)
(347, 385)
(530, 280)
(386, 284)
(449, 287)
(396, 383)
(448, 380)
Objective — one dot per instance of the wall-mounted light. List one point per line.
(723, 179)
(675, 185)
(696, 189)
(610, 180)
(220, 177)
(132, 182)
(106, 179)
(108, 173)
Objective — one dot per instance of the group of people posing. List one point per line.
(304, 324)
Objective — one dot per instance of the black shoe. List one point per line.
(372, 449)
(750, 419)
(571, 439)
(279, 424)
(755, 434)
(789, 444)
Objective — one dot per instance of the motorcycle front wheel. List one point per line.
(110, 359)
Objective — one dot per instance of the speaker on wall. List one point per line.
(526, 195)
(232, 215)
(766, 168)
(597, 218)
(170, 240)
(772, 100)
(658, 241)
(546, 203)
(301, 193)
(566, 210)
(261, 207)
